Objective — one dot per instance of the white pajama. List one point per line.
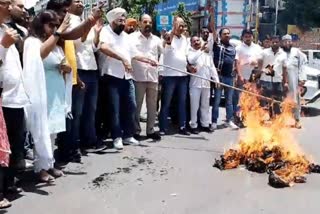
(200, 88)
(200, 97)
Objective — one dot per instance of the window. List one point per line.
(316, 55)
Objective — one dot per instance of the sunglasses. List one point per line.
(53, 25)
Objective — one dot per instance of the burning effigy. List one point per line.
(268, 145)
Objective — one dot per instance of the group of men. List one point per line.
(111, 80)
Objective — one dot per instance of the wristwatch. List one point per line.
(56, 34)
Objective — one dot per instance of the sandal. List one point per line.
(298, 125)
(55, 172)
(4, 203)
(45, 177)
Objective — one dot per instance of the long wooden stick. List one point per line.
(222, 84)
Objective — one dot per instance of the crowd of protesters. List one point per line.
(72, 83)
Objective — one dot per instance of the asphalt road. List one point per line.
(174, 176)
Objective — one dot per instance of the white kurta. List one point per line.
(295, 62)
(36, 113)
(199, 88)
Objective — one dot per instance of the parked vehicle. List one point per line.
(312, 71)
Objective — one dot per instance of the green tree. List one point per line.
(184, 14)
(136, 8)
(304, 14)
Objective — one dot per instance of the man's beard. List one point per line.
(287, 49)
(147, 29)
(118, 29)
(248, 43)
(130, 31)
(205, 38)
(18, 20)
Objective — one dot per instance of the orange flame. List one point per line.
(268, 134)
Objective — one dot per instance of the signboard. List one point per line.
(164, 22)
(169, 6)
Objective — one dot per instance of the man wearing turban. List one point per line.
(131, 25)
(120, 51)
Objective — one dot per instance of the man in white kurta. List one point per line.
(200, 88)
(296, 77)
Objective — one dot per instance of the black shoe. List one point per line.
(137, 137)
(19, 165)
(207, 129)
(183, 131)
(13, 190)
(76, 156)
(97, 148)
(194, 131)
(154, 136)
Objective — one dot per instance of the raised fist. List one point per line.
(10, 37)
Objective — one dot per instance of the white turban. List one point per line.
(116, 13)
(287, 37)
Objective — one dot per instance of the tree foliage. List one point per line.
(304, 14)
(136, 8)
(184, 14)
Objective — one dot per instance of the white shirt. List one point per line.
(278, 60)
(246, 55)
(150, 48)
(84, 50)
(123, 46)
(175, 55)
(13, 94)
(205, 68)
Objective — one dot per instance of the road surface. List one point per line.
(174, 176)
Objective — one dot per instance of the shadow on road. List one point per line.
(199, 137)
(74, 173)
(29, 182)
(189, 149)
(310, 112)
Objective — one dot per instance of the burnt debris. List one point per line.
(282, 172)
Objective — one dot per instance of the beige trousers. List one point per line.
(150, 89)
